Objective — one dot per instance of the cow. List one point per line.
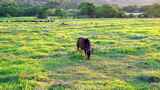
(85, 45)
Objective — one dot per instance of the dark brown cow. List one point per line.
(85, 45)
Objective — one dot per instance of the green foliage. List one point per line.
(60, 12)
(108, 11)
(15, 9)
(152, 11)
(9, 8)
(42, 12)
(104, 11)
(87, 9)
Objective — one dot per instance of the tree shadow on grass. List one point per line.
(148, 79)
(137, 37)
(8, 78)
(148, 64)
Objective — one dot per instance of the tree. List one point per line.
(60, 12)
(108, 11)
(87, 9)
(42, 12)
(9, 8)
(152, 11)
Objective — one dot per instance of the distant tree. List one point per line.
(152, 11)
(9, 8)
(30, 10)
(108, 11)
(72, 12)
(87, 9)
(60, 12)
(42, 12)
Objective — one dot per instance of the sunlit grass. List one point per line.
(43, 55)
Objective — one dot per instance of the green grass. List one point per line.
(42, 55)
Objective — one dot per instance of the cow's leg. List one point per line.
(85, 54)
(88, 56)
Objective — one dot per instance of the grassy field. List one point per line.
(43, 56)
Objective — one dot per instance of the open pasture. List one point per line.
(42, 55)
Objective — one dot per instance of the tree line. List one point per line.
(9, 8)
